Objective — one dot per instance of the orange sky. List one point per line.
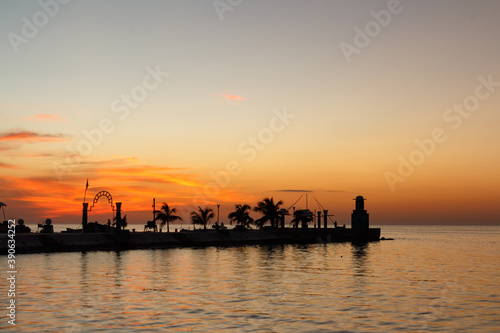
(261, 101)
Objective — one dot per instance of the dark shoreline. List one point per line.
(71, 242)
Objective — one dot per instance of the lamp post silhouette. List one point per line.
(218, 206)
(3, 210)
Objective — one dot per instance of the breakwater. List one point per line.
(65, 242)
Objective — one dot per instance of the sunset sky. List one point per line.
(224, 102)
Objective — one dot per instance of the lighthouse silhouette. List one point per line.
(359, 216)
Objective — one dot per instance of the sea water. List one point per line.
(429, 278)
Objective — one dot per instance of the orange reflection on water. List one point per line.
(425, 279)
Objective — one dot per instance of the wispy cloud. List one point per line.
(45, 196)
(36, 155)
(44, 117)
(228, 97)
(31, 137)
(147, 174)
(295, 191)
(9, 146)
(233, 97)
(126, 178)
(8, 166)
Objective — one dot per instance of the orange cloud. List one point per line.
(226, 96)
(147, 173)
(44, 196)
(35, 198)
(8, 166)
(44, 117)
(234, 97)
(134, 185)
(28, 136)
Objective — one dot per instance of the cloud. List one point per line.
(5, 147)
(44, 155)
(115, 170)
(295, 191)
(147, 174)
(30, 137)
(44, 196)
(44, 117)
(8, 166)
(227, 97)
(233, 97)
(129, 181)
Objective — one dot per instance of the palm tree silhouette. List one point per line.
(202, 216)
(120, 223)
(270, 210)
(240, 215)
(302, 216)
(166, 215)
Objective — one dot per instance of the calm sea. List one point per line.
(432, 278)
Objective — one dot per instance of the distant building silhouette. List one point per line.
(359, 217)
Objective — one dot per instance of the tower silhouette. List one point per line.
(359, 216)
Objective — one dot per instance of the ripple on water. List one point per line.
(413, 283)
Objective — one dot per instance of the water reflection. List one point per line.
(359, 252)
(118, 269)
(287, 288)
(359, 248)
(84, 279)
(360, 266)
